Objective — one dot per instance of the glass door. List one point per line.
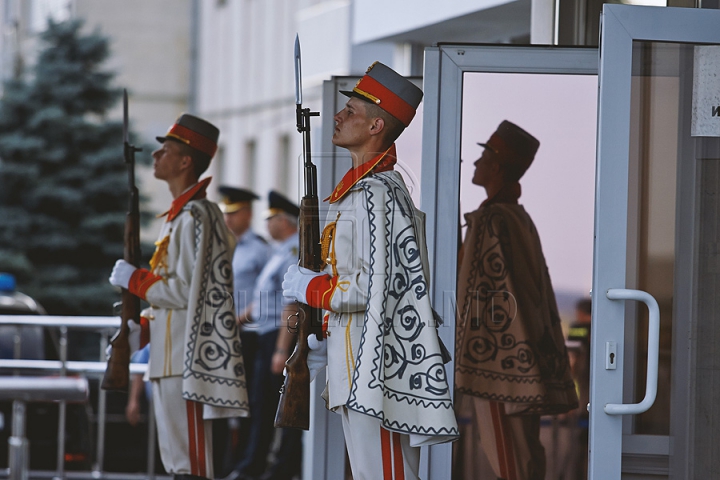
(655, 228)
(552, 93)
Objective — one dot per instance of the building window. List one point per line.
(285, 165)
(250, 162)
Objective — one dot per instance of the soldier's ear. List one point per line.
(377, 126)
(186, 162)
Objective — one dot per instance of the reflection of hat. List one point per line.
(389, 90)
(280, 204)
(235, 198)
(194, 132)
(515, 146)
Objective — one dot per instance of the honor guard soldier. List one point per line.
(384, 358)
(522, 370)
(191, 385)
(267, 318)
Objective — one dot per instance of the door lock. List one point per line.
(610, 355)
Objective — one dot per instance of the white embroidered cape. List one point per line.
(213, 370)
(400, 377)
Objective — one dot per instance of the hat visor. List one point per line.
(271, 212)
(354, 94)
(485, 145)
(164, 139)
(230, 207)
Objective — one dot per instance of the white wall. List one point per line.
(377, 19)
(246, 84)
(154, 64)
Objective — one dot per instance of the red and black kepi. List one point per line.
(194, 132)
(389, 90)
(513, 145)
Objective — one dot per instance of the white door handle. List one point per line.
(653, 352)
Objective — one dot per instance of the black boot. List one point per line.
(187, 476)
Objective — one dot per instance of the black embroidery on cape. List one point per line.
(220, 361)
(404, 276)
(489, 309)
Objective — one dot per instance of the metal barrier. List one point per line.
(105, 326)
(25, 389)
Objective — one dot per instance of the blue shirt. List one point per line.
(268, 300)
(250, 256)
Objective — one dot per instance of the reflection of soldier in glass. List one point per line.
(511, 365)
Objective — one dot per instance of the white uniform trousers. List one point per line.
(511, 442)
(184, 438)
(376, 453)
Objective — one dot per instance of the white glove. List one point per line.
(121, 273)
(296, 282)
(133, 338)
(317, 356)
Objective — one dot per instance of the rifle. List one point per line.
(117, 373)
(294, 405)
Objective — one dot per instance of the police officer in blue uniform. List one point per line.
(266, 317)
(250, 256)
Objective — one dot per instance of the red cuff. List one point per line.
(141, 280)
(320, 291)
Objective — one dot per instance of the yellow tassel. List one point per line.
(159, 258)
(327, 245)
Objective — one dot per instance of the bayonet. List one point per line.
(294, 405)
(298, 72)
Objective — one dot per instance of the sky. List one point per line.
(559, 187)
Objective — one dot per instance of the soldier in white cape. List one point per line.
(385, 363)
(196, 364)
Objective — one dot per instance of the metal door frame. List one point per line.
(445, 66)
(621, 25)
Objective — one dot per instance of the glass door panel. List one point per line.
(658, 77)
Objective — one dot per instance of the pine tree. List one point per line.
(63, 180)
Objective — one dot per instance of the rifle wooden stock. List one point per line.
(117, 372)
(294, 405)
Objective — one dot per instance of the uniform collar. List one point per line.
(246, 236)
(382, 163)
(196, 192)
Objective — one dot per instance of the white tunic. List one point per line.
(383, 350)
(193, 332)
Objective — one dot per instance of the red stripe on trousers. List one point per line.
(512, 473)
(200, 439)
(386, 454)
(503, 441)
(499, 443)
(191, 437)
(398, 457)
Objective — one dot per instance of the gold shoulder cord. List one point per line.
(327, 245)
(159, 258)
